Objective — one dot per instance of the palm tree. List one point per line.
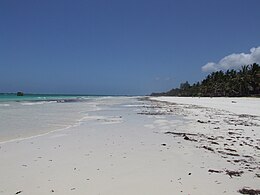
(244, 80)
(254, 75)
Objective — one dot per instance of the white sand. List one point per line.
(116, 151)
(249, 106)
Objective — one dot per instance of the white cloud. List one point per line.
(234, 61)
(211, 66)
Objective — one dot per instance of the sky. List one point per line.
(122, 47)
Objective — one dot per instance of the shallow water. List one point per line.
(24, 119)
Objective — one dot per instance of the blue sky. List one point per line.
(120, 46)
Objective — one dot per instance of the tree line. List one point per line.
(232, 83)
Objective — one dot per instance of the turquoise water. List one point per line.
(7, 97)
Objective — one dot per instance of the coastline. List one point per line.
(123, 147)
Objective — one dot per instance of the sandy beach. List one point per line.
(139, 146)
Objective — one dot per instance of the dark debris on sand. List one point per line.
(229, 136)
(234, 173)
(214, 171)
(208, 148)
(249, 191)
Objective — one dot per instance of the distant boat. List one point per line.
(19, 93)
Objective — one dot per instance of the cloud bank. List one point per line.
(234, 61)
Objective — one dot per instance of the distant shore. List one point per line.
(244, 82)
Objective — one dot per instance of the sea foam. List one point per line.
(36, 103)
(4, 105)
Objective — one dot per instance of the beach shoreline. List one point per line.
(142, 145)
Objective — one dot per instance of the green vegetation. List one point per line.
(244, 82)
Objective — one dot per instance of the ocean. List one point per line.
(7, 97)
